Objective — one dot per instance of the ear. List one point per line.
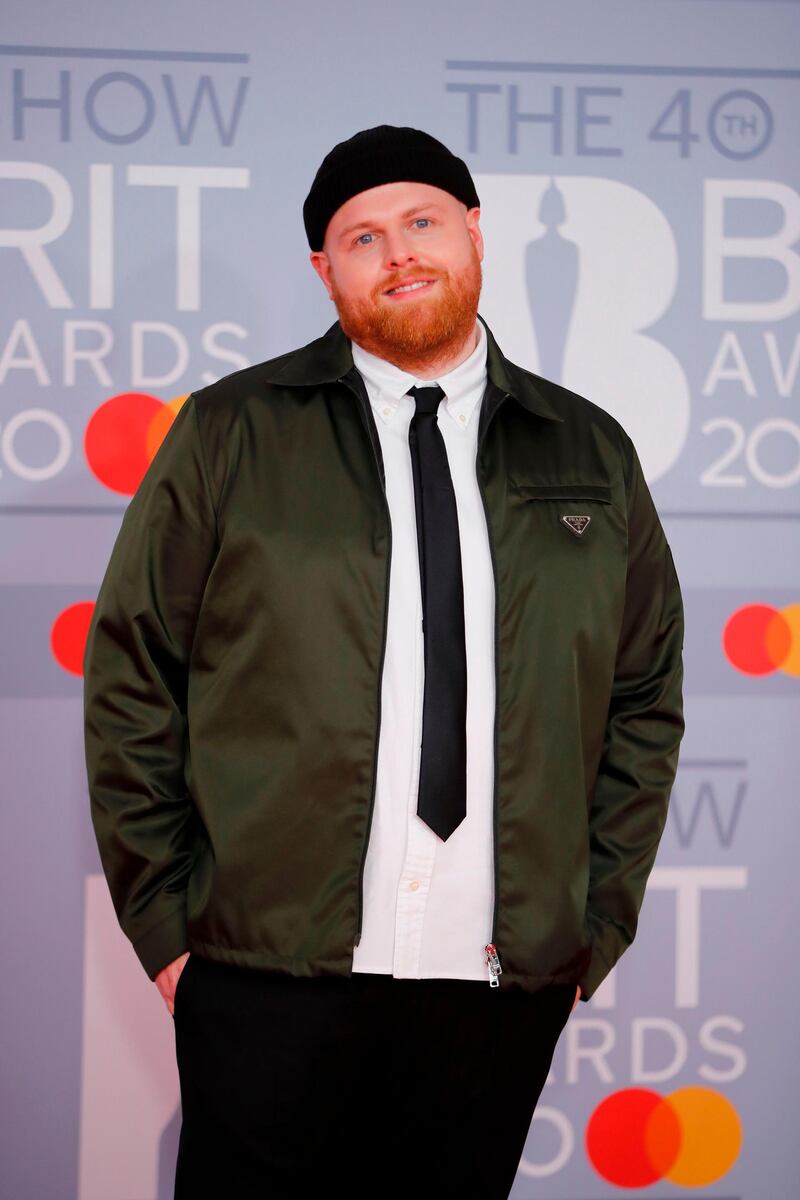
(321, 264)
(474, 230)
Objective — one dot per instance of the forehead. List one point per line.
(388, 202)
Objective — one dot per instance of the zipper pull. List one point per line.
(493, 963)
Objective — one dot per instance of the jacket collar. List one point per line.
(329, 358)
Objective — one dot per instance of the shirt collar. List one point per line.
(463, 386)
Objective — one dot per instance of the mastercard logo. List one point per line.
(690, 1137)
(123, 435)
(759, 639)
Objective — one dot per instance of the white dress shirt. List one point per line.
(428, 904)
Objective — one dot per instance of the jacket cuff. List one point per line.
(595, 973)
(162, 944)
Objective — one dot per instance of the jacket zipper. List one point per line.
(493, 963)
(490, 949)
(356, 386)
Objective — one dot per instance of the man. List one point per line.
(383, 709)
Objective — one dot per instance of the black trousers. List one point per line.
(381, 1087)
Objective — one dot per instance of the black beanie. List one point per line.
(385, 154)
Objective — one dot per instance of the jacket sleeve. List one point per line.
(644, 728)
(135, 693)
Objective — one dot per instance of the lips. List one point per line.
(410, 287)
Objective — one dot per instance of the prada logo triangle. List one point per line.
(576, 524)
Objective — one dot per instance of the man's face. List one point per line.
(387, 238)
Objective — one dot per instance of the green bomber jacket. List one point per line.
(232, 675)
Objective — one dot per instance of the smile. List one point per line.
(417, 286)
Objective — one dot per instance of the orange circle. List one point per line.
(712, 1136)
(790, 663)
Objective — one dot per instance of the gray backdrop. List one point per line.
(637, 166)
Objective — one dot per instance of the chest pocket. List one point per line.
(567, 547)
(572, 505)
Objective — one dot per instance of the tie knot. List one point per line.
(427, 399)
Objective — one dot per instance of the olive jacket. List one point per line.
(232, 675)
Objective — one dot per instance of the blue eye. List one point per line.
(359, 240)
(424, 220)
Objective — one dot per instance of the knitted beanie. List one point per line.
(385, 154)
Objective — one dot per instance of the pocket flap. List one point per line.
(564, 491)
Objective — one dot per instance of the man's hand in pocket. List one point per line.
(167, 980)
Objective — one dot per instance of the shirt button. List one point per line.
(386, 412)
(414, 885)
(461, 417)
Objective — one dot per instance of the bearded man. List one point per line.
(383, 697)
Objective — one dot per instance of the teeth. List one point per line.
(409, 287)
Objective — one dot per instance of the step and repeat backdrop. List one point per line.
(637, 164)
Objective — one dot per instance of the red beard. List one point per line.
(415, 336)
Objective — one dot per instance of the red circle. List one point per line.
(68, 636)
(631, 1136)
(115, 441)
(756, 639)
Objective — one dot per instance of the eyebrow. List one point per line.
(408, 213)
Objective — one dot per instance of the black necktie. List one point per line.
(442, 800)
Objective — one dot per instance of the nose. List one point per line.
(399, 251)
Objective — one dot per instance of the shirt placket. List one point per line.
(414, 885)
